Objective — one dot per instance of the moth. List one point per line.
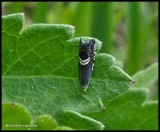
(87, 52)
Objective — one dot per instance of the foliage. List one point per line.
(40, 72)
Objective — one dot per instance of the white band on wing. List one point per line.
(84, 62)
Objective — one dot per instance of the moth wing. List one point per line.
(85, 71)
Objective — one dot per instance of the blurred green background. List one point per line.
(128, 30)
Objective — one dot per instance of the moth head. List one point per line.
(86, 46)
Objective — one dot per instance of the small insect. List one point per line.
(86, 59)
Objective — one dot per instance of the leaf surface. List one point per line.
(129, 112)
(40, 69)
(146, 78)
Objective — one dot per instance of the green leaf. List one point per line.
(11, 25)
(44, 122)
(134, 27)
(40, 69)
(82, 18)
(77, 121)
(102, 16)
(40, 12)
(15, 117)
(119, 63)
(146, 78)
(129, 112)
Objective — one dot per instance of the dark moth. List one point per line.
(86, 62)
